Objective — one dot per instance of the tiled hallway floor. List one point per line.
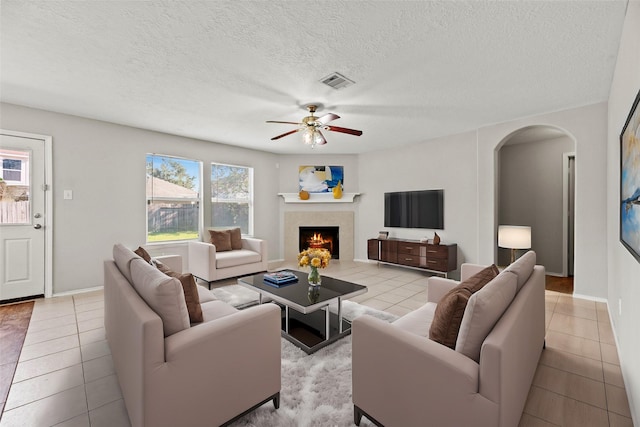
(65, 374)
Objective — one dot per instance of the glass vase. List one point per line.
(314, 277)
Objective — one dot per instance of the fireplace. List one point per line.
(320, 237)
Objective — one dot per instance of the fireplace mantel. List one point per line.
(319, 198)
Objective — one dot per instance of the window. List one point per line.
(15, 167)
(232, 197)
(173, 198)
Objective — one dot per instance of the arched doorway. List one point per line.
(534, 183)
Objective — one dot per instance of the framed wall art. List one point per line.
(320, 179)
(630, 181)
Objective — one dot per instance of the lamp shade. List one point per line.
(514, 237)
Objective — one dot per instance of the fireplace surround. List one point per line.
(344, 220)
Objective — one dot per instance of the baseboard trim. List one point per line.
(590, 298)
(77, 291)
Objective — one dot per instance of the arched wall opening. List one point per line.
(535, 177)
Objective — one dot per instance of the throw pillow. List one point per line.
(163, 294)
(523, 267)
(483, 311)
(448, 316)
(450, 309)
(236, 238)
(142, 253)
(191, 296)
(221, 240)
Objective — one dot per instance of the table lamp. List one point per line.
(514, 237)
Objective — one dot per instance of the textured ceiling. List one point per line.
(216, 70)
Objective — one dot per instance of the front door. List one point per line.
(22, 217)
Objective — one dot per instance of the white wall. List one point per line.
(530, 193)
(104, 165)
(624, 270)
(448, 163)
(588, 125)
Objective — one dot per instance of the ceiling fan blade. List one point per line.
(344, 130)
(288, 123)
(322, 140)
(285, 134)
(327, 118)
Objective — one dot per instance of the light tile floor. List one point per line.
(65, 375)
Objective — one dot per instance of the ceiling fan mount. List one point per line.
(312, 126)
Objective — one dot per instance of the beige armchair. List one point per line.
(209, 265)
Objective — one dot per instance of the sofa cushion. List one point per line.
(450, 309)
(123, 257)
(483, 311)
(234, 258)
(523, 267)
(163, 294)
(216, 309)
(236, 238)
(418, 321)
(221, 240)
(191, 296)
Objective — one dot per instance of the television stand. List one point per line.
(439, 259)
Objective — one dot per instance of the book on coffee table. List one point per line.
(280, 278)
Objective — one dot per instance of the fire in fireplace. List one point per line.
(321, 237)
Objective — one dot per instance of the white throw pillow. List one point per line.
(123, 257)
(483, 311)
(523, 267)
(205, 295)
(163, 294)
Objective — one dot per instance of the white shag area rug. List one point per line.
(316, 388)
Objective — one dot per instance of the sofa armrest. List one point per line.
(437, 287)
(467, 270)
(253, 244)
(260, 246)
(431, 381)
(174, 262)
(202, 260)
(225, 366)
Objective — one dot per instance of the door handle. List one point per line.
(37, 226)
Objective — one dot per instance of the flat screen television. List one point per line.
(414, 209)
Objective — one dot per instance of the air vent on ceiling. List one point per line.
(337, 81)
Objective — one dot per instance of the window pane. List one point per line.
(231, 197)
(15, 206)
(231, 215)
(172, 221)
(173, 198)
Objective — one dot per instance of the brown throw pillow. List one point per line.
(142, 253)
(450, 309)
(191, 296)
(236, 238)
(221, 240)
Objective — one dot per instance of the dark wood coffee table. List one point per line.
(307, 321)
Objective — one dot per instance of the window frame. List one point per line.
(198, 200)
(24, 166)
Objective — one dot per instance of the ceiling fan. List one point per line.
(311, 126)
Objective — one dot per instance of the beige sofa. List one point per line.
(209, 265)
(188, 375)
(402, 378)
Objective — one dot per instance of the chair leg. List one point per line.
(357, 415)
(276, 400)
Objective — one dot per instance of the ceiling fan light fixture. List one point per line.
(309, 137)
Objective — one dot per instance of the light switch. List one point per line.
(68, 194)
